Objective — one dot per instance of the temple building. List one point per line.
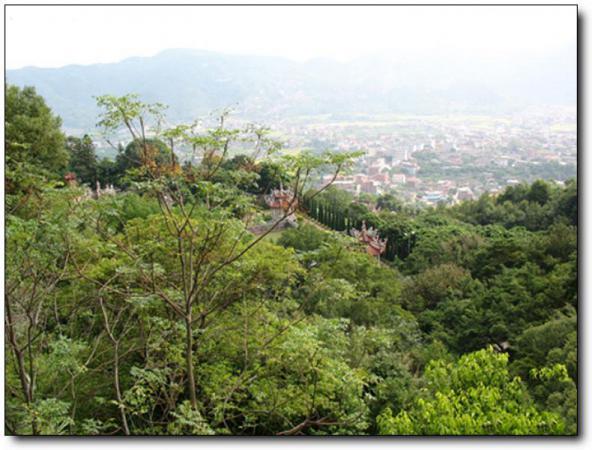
(279, 201)
(369, 236)
(70, 179)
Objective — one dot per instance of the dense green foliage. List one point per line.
(33, 141)
(157, 311)
(476, 395)
(83, 161)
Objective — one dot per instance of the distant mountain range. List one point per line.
(195, 82)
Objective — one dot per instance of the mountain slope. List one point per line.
(194, 82)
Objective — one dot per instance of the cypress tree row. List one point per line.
(400, 241)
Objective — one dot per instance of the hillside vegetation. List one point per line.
(154, 310)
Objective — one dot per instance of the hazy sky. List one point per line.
(53, 36)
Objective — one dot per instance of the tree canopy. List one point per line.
(34, 142)
(181, 305)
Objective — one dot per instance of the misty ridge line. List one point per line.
(269, 88)
(395, 55)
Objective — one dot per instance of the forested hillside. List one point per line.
(176, 302)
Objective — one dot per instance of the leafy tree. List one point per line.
(108, 172)
(547, 344)
(305, 238)
(271, 176)
(37, 262)
(539, 192)
(389, 202)
(207, 239)
(566, 202)
(34, 143)
(514, 194)
(475, 395)
(556, 391)
(83, 161)
(138, 154)
(434, 285)
(305, 386)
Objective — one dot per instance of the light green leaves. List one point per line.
(128, 110)
(475, 395)
(51, 416)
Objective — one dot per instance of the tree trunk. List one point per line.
(189, 361)
(20, 360)
(118, 390)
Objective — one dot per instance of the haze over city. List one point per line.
(396, 82)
